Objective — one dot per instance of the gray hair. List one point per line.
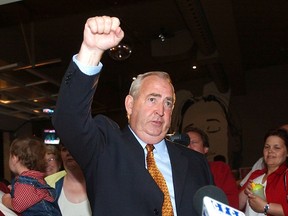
(137, 83)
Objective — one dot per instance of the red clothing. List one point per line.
(4, 188)
(276, 191)
(225, 180)
(26, 195)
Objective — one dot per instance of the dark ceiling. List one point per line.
(226, 39)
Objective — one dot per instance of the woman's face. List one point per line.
(53, 165)
(274, 152)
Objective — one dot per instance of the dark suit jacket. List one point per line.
(113, 161)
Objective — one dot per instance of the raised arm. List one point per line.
(72, 117)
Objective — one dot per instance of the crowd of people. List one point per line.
(101, 169)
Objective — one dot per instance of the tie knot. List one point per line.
(149, 147)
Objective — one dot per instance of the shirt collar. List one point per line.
(159, 147)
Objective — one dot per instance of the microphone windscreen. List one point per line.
(210, 191)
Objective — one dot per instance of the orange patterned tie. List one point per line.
(167, 209)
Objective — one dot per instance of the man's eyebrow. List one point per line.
(159, 95)
(170, 99)
(154, 94)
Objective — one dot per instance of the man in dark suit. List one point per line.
(113, 160)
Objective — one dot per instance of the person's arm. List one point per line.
(275, 209)
(258, 205)
(245, 191)
(72, 118)
(242, 200)
(7, 201)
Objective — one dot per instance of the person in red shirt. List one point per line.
(273, 178)
(222, 174)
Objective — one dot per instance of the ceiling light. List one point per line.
(120, 52)
(162, 37)
(5, 101)
(48, 110)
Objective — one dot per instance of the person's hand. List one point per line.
(100, 34)
(248, 189)
(6, 200)
(256, 203)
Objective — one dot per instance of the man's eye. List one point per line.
(152, 99)
(169, 104)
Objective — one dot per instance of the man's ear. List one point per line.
(129, 101)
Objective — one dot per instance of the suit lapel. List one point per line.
(136, 154)
(133, 147)
(179, 165)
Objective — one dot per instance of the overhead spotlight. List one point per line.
(162, 37)
(164, 34)
(120, 52)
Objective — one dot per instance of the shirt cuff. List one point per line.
(88, 70)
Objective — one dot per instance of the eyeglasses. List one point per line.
(50, 159)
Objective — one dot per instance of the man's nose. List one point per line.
(160, 109)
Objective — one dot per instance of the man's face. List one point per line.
(150, 113)
(196, 143)
(68, 161)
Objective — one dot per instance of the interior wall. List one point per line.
(263, 107)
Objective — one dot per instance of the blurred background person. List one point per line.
(53, 159)
(70, 187)
(222, 174)
(220, 158)
(272, 177)
(30, 194)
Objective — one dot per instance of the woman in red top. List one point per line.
(272, 177)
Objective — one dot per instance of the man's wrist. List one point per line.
(89, 57)
(266, 208)
(86, 69)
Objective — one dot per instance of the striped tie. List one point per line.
(167, 209)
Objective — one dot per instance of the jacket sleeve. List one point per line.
(72, 117)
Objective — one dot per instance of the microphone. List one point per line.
(212, 201)
(182, 138)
